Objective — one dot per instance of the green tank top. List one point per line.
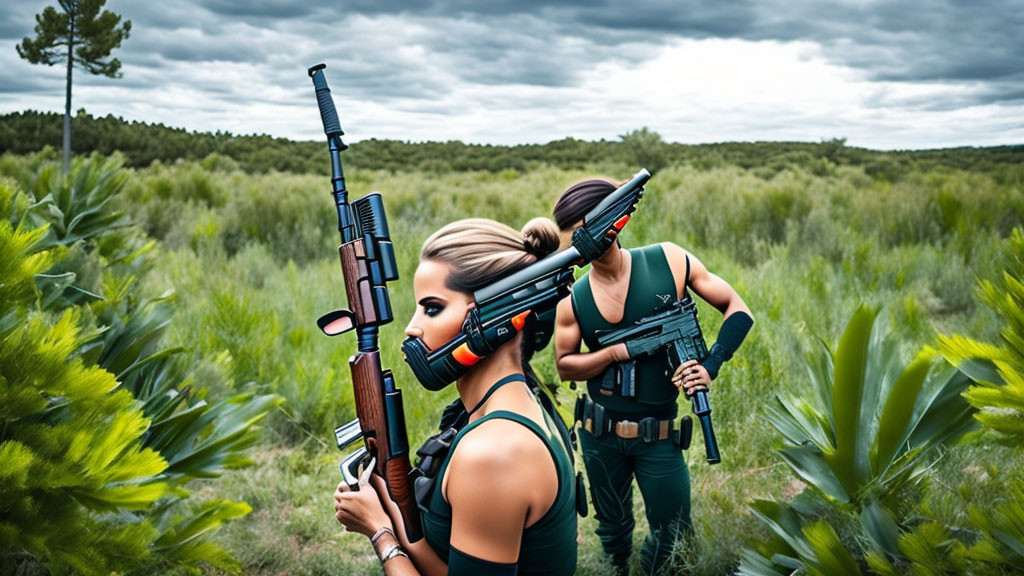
(651, 286)
(549, 545)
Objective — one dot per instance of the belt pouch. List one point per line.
(581, 496)
(627, 378)
(578, 410)
(685, 432)
(648, 430)
(600, 420)
(608, 378)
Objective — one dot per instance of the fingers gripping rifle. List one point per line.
(367, 264)
(677, 331)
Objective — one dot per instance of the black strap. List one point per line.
(494, 388)
(686, 279)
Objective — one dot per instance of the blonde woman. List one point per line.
(504, 497)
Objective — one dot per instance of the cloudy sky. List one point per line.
(883, 74)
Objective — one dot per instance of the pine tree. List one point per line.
(82, 36)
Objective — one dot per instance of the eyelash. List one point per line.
(432, 310)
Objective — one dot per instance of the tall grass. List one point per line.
(253, 259)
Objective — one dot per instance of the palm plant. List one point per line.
(867, 440)
(79, 205)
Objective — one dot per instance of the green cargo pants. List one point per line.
(664, 481)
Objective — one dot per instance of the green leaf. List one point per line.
(897, 412)
(830, 557)
(813, 467)
(784, 523)
(848, 386)
(879, 524)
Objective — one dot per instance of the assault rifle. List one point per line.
(367, 264)
(676, 330)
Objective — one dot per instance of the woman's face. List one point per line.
(440, 311)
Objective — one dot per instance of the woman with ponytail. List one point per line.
(502, 500)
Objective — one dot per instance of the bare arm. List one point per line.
(571, 364)
(708, 286)
(691, 376)
(425, 560)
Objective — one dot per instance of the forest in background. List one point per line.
(143, 143)
(243, 232)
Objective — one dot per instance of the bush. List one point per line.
(102, 429)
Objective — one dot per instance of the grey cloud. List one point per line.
(17, 19)
(418, 56)
(17, 76)
(287, 9)
(937, 40)
(191, 45)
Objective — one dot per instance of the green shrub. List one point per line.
(864, 447)
(102, 428)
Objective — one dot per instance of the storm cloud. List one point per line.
(530, 71)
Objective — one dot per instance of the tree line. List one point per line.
(143, 143)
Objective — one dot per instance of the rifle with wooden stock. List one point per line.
(367, 264)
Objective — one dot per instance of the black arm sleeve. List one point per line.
(462, 564)
(734, 329)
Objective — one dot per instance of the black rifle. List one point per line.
(676, 330)
(367, 264)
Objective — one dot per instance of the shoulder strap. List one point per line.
(553, 415)
(686, 279)
(494, 388)
(583, 284)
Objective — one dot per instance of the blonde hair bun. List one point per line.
(540, 237)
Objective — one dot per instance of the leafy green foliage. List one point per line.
(143, 143)
(645, 148)
(102, 427)
(878, 421)
(999, 396)
(864, 446)
(70, 443)
(80, 32)
(77, 206)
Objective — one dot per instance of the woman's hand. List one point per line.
(691, 377)
(360, 510)
(391, 509)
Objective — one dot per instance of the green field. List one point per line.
(805, 241)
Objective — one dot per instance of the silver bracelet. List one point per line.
(390, 552)
(383, 530)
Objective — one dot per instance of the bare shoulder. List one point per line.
(564, 313)
(498, 444)
(673, 251)
(497, 458)
(677, 259)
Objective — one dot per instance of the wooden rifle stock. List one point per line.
(369, 391)
(367, 264)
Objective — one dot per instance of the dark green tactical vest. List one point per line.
(651, 287)
(549, 545)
